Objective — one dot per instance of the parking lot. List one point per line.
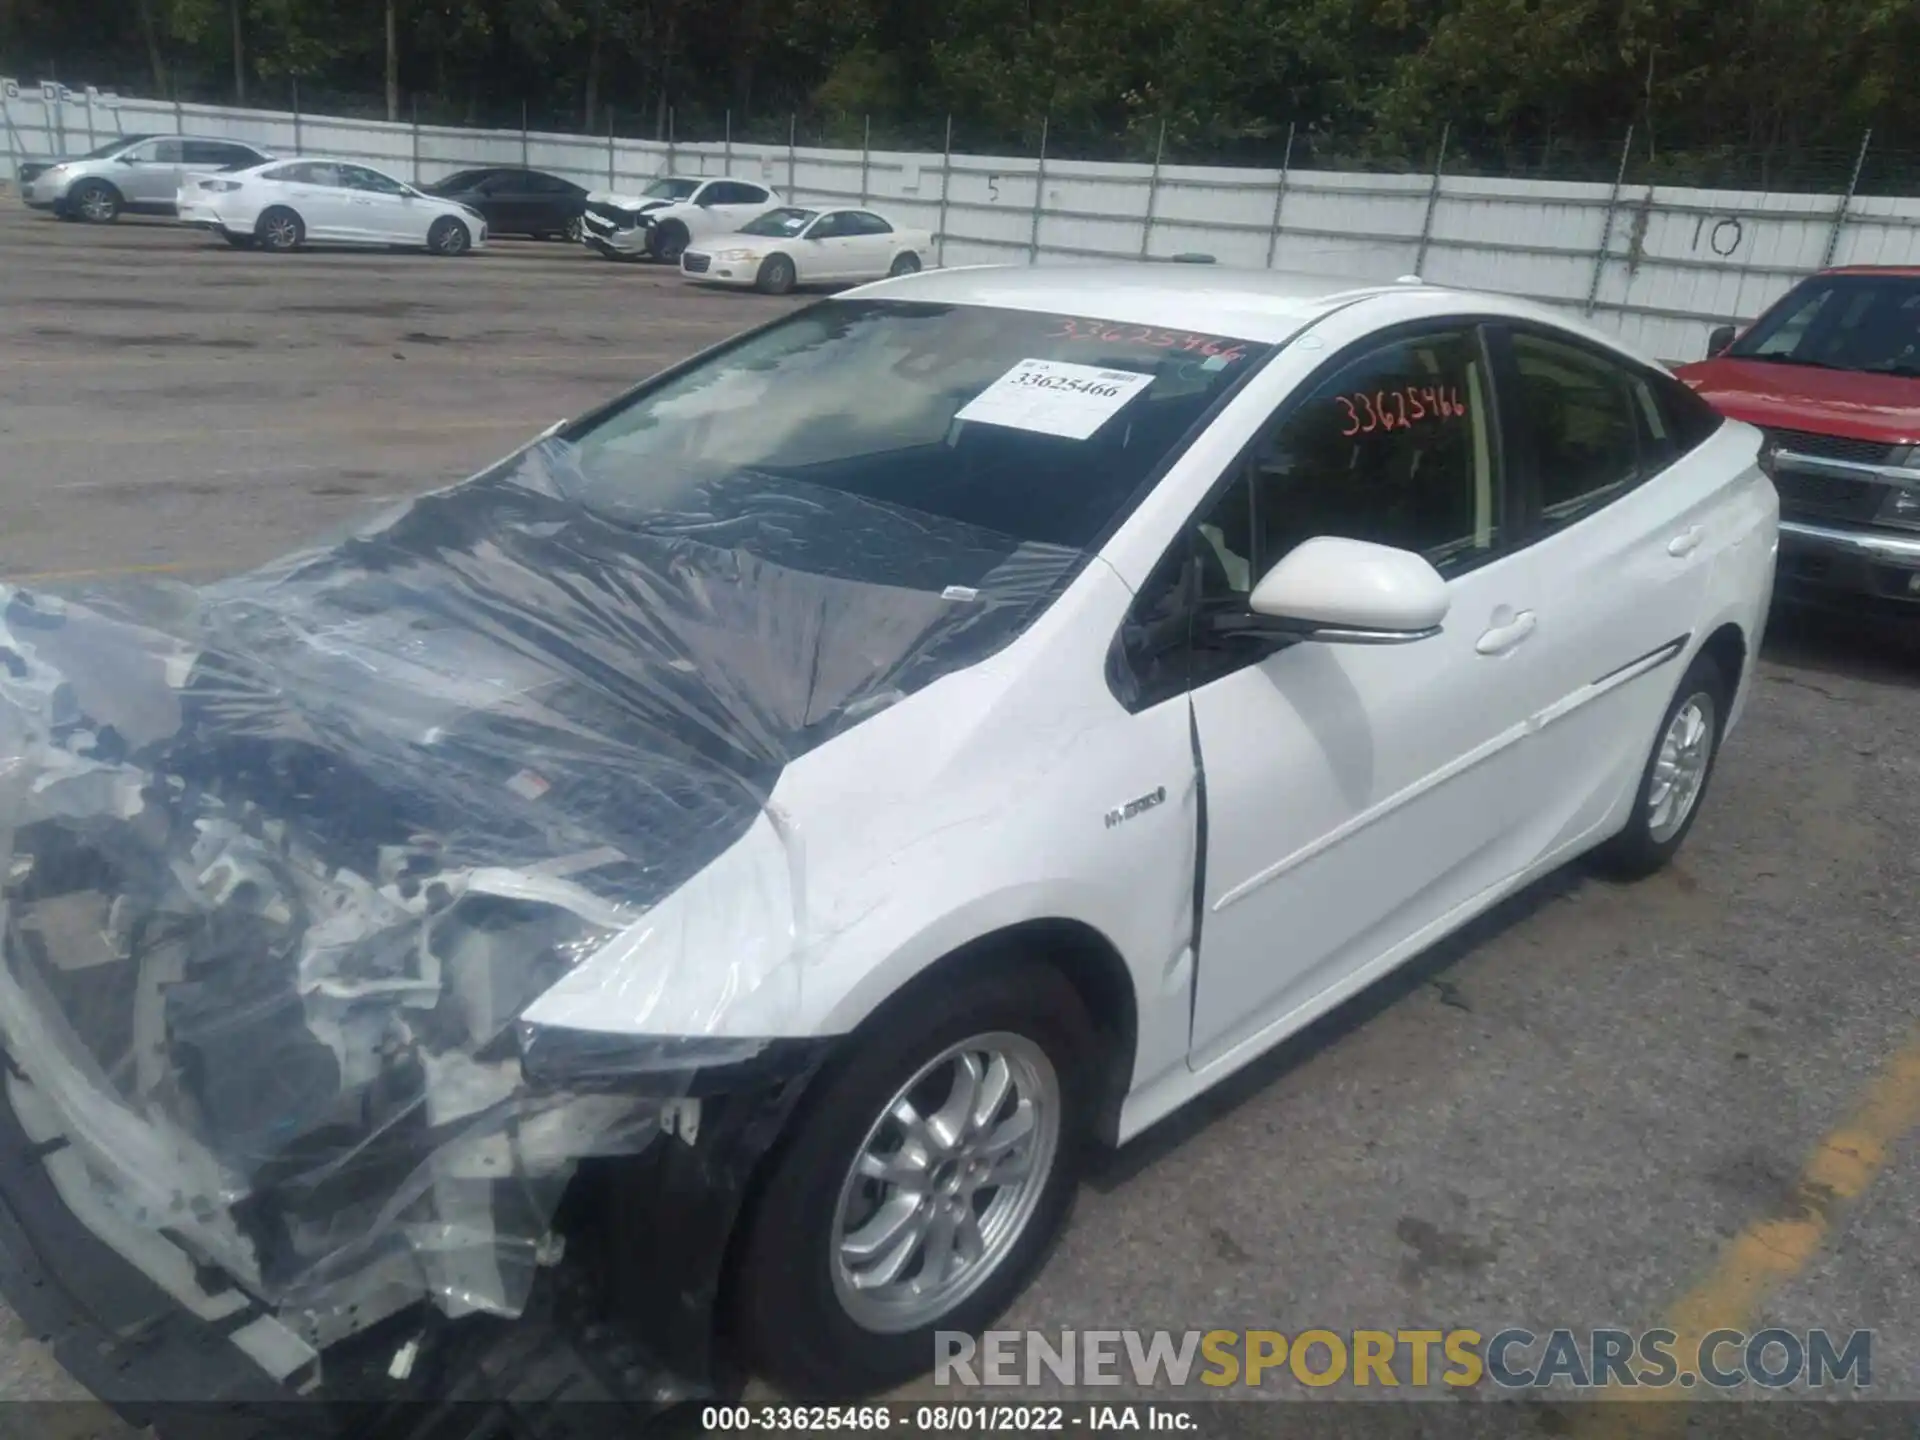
(1689, 1101)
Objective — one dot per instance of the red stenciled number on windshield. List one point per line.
(1104, 332)
(1367, 411)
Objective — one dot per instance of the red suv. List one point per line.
(1832, 374)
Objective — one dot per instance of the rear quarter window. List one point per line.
(1692, 420)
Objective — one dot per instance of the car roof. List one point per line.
(1260, 305)
(1263, 306)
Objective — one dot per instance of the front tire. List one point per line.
(1675, 777)
(576, 228)
(669, 242)
(923, 1183)
(776, 277)
(95, 201)
(449, 237)
(280, 230)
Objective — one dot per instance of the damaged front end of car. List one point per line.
(281, 867)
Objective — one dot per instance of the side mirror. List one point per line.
(1718, 342)
(1349, 592)
(127, 159)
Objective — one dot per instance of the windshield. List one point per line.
(670, 189)
(787, 220)
(1036, 427)
(1842, 322)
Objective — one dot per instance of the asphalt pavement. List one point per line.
(1596, 1109)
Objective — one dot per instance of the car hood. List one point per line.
(627, 202)
(286, 857)
(1860, 406)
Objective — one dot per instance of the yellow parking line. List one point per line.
(1773, 1250)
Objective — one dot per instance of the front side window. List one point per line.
(1841, 322)
(1396, 446)
(1595, 429)
(1033, 426)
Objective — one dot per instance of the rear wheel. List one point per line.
(449, 237)
(280, 230)
(1675, 778)
(776, 276)
(905, 263)
(95, 201)
(669, 241)
(576, 227)
(921, 1185)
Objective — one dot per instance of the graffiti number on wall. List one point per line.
(993, 187)
(1723, 238)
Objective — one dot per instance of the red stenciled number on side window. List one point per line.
(1398, 409)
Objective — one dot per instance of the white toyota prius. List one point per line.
(742, 848)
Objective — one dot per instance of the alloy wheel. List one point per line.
(945, 1182)
(1680, 769)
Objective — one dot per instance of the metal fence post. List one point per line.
(415, 99)
(669, 139)
(179, 118)
(793, 129)
(16, 149)
(296, 114)
(88, 97)
(726, 165)
(1846, 202)
(1280, 196)
(866, 149)
(609, 147)
(946, 181)
(1153, 190)
(1606, 231)
(524, 151)
(1039, 193)
(1433, 200)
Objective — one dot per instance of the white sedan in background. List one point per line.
(791, 246)
(285, 204)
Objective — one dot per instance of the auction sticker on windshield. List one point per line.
(1055, 397)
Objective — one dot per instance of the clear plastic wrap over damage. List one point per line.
(288, 856)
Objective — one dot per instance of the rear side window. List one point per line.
(1692, 419)
(1594, 428)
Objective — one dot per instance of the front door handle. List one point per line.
(1687, 541)
(1502, 638)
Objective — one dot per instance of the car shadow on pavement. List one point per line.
(1876, 650)
(1114, 1169)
